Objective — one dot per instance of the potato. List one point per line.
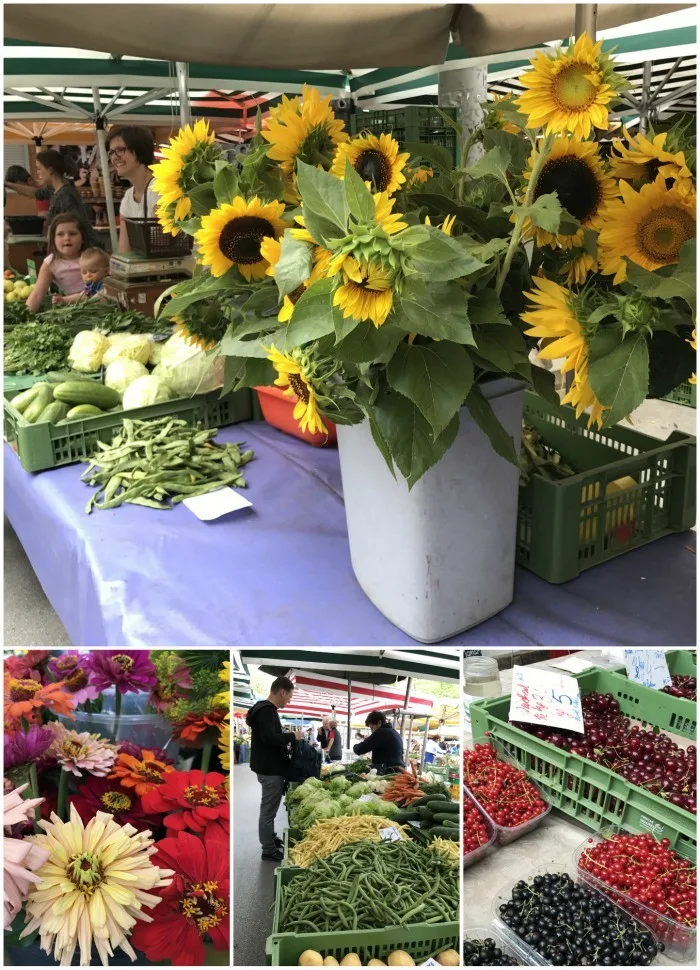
(310, 958)
(376, 963)
(351, 960)
(448, 958)
(399, 958)
(330, 962)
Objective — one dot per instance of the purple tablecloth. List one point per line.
(280, 574)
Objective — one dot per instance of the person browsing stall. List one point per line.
(270, 752)
(131, 150)
(384, 744)
(334, 745)
(67, 239)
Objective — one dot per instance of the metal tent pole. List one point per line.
(425, 741)
(347, 733)
(183, 94)
(646, 99)
(586, 20)
(104, 162)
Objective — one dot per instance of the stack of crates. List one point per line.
(683, 394)
(411, 125)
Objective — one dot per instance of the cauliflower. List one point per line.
(87, 351)
(144, 391)
(136, 346)
(122, 372)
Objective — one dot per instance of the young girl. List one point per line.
(67, 238)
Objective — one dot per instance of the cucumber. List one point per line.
(87, 392)
(451, 807)
(61, 376)
(53, 413)
(444, 832)
(43, 398)
(446, 819)
(22, 401)
(426, 799)
(83, 411)
(424, 812)
(407, 816)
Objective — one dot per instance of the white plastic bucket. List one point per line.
(441, 558)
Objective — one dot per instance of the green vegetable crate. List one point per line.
(683, 394)
(290, 837)
(683, 718)
(411, 125)
(590, 793)
(44, 445)
(421, 940)
(570, 525)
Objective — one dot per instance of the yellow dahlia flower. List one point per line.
(94, 886)
(192, 147)
(303, 128)
(376, 159)
(567, 92)
(649, 227)
(644, 159)
(295, 376)
(366, 293)
(231, 235)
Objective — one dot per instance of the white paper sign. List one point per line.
(544, 697)
(389, 834)
(430, 963)
(574, 664)
(365, 798)
(217, 503)
(647, 667)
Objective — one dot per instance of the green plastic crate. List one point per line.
(42, 446)
(421, 940)
(682, 716)
(289, 837)
(683, 394)
(411, 125)
(588, 792)
(684, 663)
(567, 526)
(14, 383)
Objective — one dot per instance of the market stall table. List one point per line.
(280, 573)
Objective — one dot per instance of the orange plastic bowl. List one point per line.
(278, 411)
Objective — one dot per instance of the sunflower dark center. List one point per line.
(662, 232)
(373, 166)
(300, 387)
(241, 238)
(576, 185)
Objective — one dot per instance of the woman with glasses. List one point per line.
(131, 150)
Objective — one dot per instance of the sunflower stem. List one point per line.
(62, 795)
(520, 218)
(206, 756)
(34, 786)
(117, 712)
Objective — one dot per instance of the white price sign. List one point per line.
(389, 834)
(544, 697)
(430, 962)
(648, 667)
(365, 798)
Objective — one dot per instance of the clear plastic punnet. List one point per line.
(477, 931)
(475, 855)
(506, 834)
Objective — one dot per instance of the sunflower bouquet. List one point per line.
(371, 287)
(107, 844)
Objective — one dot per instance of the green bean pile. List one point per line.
(159, 463)
(370, 886)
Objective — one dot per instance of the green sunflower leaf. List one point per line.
(314, 315)
(324, 203)
(440, 157)
(486, 308)
(618, 372)
(408, 435)
(437, 377)
(438, 311)
(517, 148)
(233, 346)
(546, 212)
(357, 195)
(262, 300)
(294, 265)
(365, 343)
(504, 348)
(495, 162)
(226, 185)
(441, 258)
(483, 414)
(255, 372)
(208, 286)
(679, 280)
(203, 198)
(543, 384)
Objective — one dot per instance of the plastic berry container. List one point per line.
(475, 931)
(506, 834)
(680, 941)
(483, 850)
(531, 956)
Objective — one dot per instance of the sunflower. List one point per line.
(366, 293)
(500, 119)
(643, 159)
(224, 745)
(231, 235)
(303, 128)
(574, 170)
(296, 377)
(202, 324)
(376, 159)
(420, 176)
(554, 319)
(270, 250)
(649, 227)
(188, 160)
(166, 217)
(693, 343)
(570, 91)
(446, 226)
(577, 266)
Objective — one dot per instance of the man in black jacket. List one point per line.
(270, 751)
(384, 744)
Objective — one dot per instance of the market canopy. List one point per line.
(439, 663)
(306, 36)
(316, 696)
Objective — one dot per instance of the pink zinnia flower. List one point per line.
(21, 857)
(73, 669)
(83, 752)
(24, 666)
(127, 670)
(21, 748)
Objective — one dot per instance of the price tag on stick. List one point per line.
(544, 697)
(648, 667)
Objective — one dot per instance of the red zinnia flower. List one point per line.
(107, 795)
(194, 801)
(193, 906)
(194, 724)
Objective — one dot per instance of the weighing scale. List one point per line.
(136, 281)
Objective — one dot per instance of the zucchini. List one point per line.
(427, 824)
(53, 413)
(87, 392)
(61, 376)
(445, 832)
(83, 411)
(446, 819)
(426, 799)
(451, 807)
(406, 816)
(424, 812)
(43, 398)
(22, 401)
